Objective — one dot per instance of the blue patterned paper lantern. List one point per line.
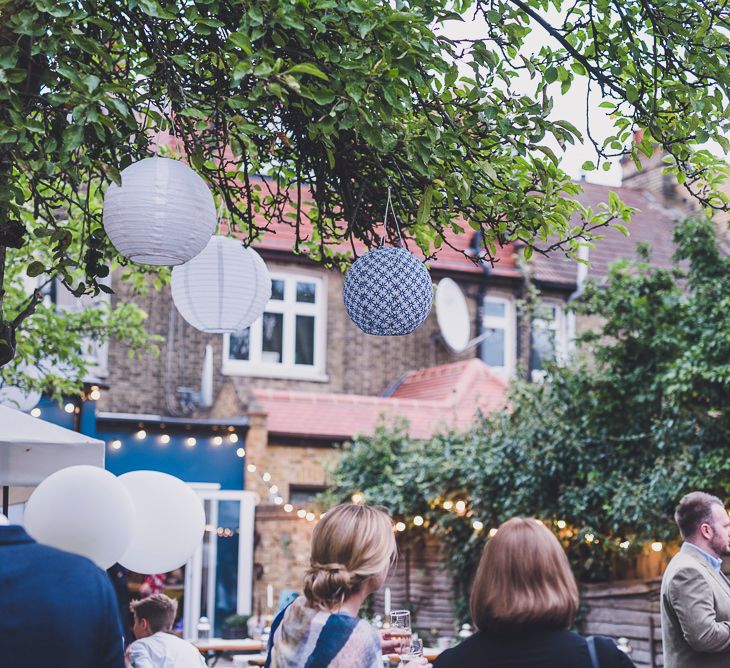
(388, 292)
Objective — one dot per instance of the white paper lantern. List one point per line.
(388, 292)
(223, 289)
(163, 214)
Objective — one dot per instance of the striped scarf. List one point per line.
(302, 637)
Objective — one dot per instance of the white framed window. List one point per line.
(548, 338)
(289, 339)
(498, 350)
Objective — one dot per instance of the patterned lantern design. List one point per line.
(163, 213)
(223, 289)
(388, 292)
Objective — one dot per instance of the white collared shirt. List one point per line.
(164, 650)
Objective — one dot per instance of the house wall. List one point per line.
(356, 363)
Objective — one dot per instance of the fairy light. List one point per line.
(36, 412)
(164, 439)
(233, 438)
(278, 500)
(624, 545)
(418, 521)
(492, 533)
(273, 489)
(217, 440)
(589, 538)
(657, 546)
(140, 435)
(448, 505)
(266, 477)
(240, 453)
(310, 517)
(400, 526)
(478, 526)
(251, 468)
(69, 408)
(288, 507)
(190, 442)
(116, 444)
(358, 498)
(460, 506)
(561, 524)
(301, 513)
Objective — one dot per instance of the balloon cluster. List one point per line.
(149, 522)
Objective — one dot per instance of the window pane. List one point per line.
(493, 309)
(277, 289)
(306, 292)
(238, 348)
(272, 344)
(304, 349)
(493, 348)
(543, 346)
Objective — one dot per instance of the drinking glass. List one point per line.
(415, 651)
(400, 628)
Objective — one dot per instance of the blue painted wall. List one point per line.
(204, 462)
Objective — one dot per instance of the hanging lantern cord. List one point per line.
(389, 206)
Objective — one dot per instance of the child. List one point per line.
(155, 646)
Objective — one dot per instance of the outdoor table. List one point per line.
(215, 648)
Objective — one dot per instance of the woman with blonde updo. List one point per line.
(353, 548)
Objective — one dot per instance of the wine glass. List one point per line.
(400, 628)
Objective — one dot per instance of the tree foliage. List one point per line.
(336, 101)
(603, 449)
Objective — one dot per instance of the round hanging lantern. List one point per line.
(163, 214)
(20, 399)
(388, 292)
(223, 289)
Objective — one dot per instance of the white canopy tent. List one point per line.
(31, 449)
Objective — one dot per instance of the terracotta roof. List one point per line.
(442, 397)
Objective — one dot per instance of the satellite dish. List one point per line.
(452, 314)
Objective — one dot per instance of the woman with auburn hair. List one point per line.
(523, 601)
(353, 548)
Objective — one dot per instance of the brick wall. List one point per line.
(356, 362)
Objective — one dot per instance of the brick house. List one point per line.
(304, 379)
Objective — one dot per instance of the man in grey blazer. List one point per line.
(695, 598)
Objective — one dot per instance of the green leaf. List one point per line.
(308, 68)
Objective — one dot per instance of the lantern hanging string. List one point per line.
(389, 206)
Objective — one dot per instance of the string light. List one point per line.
(164, 439)
(95, 393)
(478, 526)
(266, 477)
(589, 538)
(301, 513)
(116, 444)
(657, 546)
(288, 507)
(460, 506)
(190, 442)
(141, 434)
(561, 524)
(492, 533)
(69, 408)
(358, 498)
(448, 505)
(217, 440)
(36, 412)
(273, 489)
(278, 500)
(310, 517)
(233, 438)
(400, 526)
(624, 545)
(418, 521)
(251, 468)
(241, 453)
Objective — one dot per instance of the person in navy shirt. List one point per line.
(56, 609)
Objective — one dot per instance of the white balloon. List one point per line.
(82, 509)
(169, 525)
